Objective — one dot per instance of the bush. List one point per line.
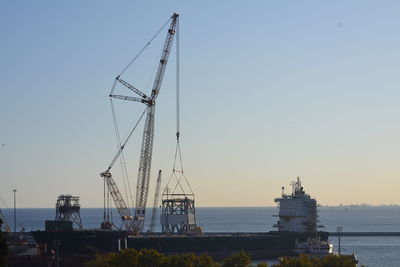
(152, 258)
(149, 258)
(327, 261)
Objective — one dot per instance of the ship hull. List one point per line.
(217, 245)
(80, 242)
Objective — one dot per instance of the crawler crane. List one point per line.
(135, 224)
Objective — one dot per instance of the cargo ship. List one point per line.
(297, 221)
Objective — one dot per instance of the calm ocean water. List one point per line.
(371, 251)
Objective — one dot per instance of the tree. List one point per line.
(181, 260)
(240, 259)
(150, 258)
(102, 260)
(126, 258)
(205, 261)
(327, 261)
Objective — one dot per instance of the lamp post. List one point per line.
(15, 211)
(339, 229)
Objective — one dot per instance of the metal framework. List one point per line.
(119, 202)
(179, 216)
(135, 224)
(68, 209)
(155, 203)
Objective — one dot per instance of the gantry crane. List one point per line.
(135, 224)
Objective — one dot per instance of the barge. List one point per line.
(297, 222)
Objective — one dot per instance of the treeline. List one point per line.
(152, 258)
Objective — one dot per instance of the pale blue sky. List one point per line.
(270, 90)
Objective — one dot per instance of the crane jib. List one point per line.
(135, 224)
(148, 133)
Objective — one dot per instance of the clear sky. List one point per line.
(271, 90)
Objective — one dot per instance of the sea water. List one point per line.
(371, 251)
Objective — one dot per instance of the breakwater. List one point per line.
(364, 234)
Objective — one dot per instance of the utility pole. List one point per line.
(15, 211)
(339, 229)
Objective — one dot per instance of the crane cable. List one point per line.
(122, 161)
(124, 171)
(121, 147)
(118, 139)
(113, 88)
(177, 82)
(126, 140)
(178, 163)
(144, 48)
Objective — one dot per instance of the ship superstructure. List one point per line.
(297, 211)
